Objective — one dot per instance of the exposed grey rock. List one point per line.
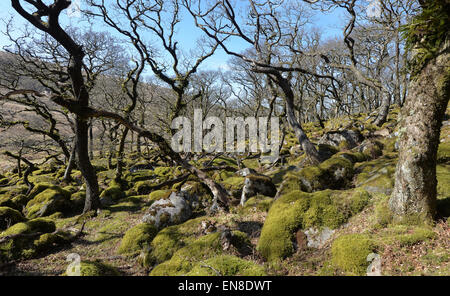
(334, 138)
(245, 172)
(374, 269)
(165, 212)
(318, 238)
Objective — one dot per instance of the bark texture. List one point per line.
(415, 178)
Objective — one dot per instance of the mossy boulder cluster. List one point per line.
(27, 239)
(47, 202)
(294, 217)
(302, 210)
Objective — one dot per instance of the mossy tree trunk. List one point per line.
(415, 178)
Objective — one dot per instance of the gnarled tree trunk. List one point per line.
(415, 178)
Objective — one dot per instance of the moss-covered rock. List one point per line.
(259, 203)
(186, 258)
(443, 154)
(171, 239)
(377, 175)
(48, 241)
(78, 199)
(371, 149)
(227, 265)
(301, 210)
(199, 193)
(284, 218)
(9, 217)
(234, 185)
(334, 173)
(23, 246)
(160, 194)
(114, 192)
(47, 202)
(137, 238)
(95, 268)
(349, 253)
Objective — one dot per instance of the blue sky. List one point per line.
(330, 24)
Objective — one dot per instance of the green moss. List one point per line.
(349, 253)
(443, 154)
(373, 149)
(311, 179)
(227, 265)
(78, 199)
(114, 191)
(426, 32)
(298, 209)
(38, 188)
(187, 257)
(322, 212)
(383, 213)
(171, 239)
(163, 171)
(24, 247)
(143, 187)
(89, 268)
(47, 202)
(48, 241)
(335, 163)
(71, 189)
(359, 200)
(9, 217)
(354, 157)
(259, 203)
(160, 194)
(284, 218)
(290, 183)
(142, 175)
(234, 182)
(406, 235)
(136, 238)
(376, 176)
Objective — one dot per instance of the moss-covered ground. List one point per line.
(346, 195)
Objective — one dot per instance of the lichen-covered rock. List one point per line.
(137, 239)
(351, 138)
(47, 202)
(245, 172)
(257, 183)
(169, 211)
(349, 253)
(317, 238)
(200, 196)
(227, 265)
(9, 217)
